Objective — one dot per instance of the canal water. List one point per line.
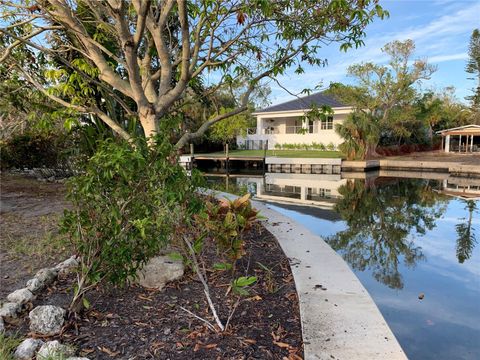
(412, 242)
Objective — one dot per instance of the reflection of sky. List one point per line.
(446, 323)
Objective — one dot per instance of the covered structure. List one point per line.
(463, 139)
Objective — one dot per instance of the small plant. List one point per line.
(239, 285)
(8, 345)
(330, 147)
(226, 222)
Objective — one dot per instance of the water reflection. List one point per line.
(381, 222)
(466, 233)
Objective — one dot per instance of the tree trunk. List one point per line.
(149, 124)
(371, 151)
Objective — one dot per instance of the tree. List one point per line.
(149, 55)
(380, 91)
(473, 67)
(438, 111)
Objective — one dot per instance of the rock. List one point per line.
(158, 271)
(10, 310)
(421, 296)
(34, 285)
(47, 319)
(67, 265)
(2, 325)
(46, 276)
(53, 349)
(27, 349)
(21, 296)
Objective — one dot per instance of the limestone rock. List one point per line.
(34, 285)
(27, 349)
(20, 296)
(10, 310)
(158, 271)
(46, 276)
(67, 265)
(52, 349)
(47, 319)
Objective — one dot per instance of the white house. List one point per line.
(284, 123)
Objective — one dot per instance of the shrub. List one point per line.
(330, 147)
(33, 150)
(127, 204)
(226, 222)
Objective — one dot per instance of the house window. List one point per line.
(327, 124)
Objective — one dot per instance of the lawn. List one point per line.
(279, 153)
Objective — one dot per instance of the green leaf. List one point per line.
(86, 303)
(222, 266)
(245, 281)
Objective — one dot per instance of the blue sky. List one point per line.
(441, 30)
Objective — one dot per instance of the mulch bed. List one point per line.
(134, 323)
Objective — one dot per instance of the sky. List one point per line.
(441, 30)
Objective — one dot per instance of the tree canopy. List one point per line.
(382, 96)
(151, 56)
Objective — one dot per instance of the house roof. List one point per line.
(318, 99)
(466, 129)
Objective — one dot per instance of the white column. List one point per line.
(303, 193)
(471, 143)
(259, 125)
(447, 143)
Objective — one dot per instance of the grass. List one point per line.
(42, 240)
(280, 153)
(8, 345)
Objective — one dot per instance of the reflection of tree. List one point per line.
(466, 234)
(379, 221)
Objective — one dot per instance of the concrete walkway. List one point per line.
(339, 318)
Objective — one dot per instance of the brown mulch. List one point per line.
(135, 323)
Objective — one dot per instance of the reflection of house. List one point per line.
(463, 139)
(464, 188)
(319, 190)
(285, 123)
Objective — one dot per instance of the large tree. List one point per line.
(149, 54)
(381, 96)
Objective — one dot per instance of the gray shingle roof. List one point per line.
(306, 102)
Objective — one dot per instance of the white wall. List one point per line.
(322, 136)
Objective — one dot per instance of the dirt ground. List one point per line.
(441, 156)
(29, 239)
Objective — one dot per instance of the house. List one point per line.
(284, 124)
(462, 139)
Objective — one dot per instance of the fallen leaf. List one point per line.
(250, 341)
(144, 298)
(109, 352)
(281, 344)
(210, 346)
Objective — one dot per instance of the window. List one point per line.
(327, 124)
